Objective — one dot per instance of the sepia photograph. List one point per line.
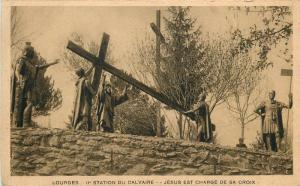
(151, 91)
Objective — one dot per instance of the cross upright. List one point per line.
(98, 65)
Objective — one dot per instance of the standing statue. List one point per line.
(23, 82)
(21, 88)
(202, 118)
(271, 112)
(107, 101)
(82, 119)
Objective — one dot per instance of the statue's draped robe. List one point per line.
(204, 125)
(83, 105)
(108, 102)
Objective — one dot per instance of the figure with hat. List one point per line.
(82, 119)
(21, 88)
(106, 102)
(202, 117)
(272, 124)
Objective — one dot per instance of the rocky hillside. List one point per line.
(64, 152)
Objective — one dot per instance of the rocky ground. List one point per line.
(41, 151)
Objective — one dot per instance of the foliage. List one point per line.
(45, 97)
(224, 72)
(183, 54)
(179, 78)
(136, 116)
(277, 27)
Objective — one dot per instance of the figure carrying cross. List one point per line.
(81, 119)
(86, 90)
(99, 64)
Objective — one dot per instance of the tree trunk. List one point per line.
(179, 122)
(158, 120)
(243, 131)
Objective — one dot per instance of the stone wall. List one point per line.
(63, 152)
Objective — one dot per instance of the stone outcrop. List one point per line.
(43, 152)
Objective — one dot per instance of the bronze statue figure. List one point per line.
(202, 118)
(271, 111)
(82, 119)
(107, 101)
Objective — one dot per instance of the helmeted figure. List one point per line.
(271, 113)
(21, 88)
(202, 118)
(107, 101)
(82, 119)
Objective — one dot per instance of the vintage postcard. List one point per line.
(150, 93)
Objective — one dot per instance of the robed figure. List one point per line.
(21, 88)
(82, 119)
(202, 117)
(272, 124)
(107, 101)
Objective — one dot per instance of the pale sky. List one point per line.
(52, 26)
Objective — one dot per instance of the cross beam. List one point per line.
(111, 69)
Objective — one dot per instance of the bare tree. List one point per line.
(245, 94)
(18, 36)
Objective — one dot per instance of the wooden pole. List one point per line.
(157, 61)
(288, 116)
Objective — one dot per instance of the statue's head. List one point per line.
(80, 72)
(272, 94)
(28, 50)
(108, 87)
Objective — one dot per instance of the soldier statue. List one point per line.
(107, 101)
(271, 113)
(82, 119)
(21, 89)
(202, 117)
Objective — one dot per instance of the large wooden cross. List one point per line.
(99, 63)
